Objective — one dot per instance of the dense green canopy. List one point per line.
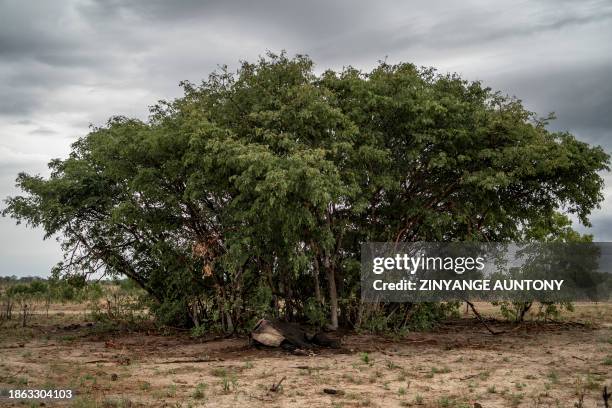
(252, 193)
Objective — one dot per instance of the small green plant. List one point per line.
(315, 312)
(365, 357)
(226, 384)
(84, 402)
(116, 403)
(352, 379)
(22, 381)
(198, 331)
(229, 383)
(199, 392)
(491, 389)
(418, 399)
(219, 372)
(401, 391)
(553, 376)
(448, 402)
(171, 391)
(515, 399)
(391, 365)
(471, 386)
(592, 382)
(445, 402)
(440, 370)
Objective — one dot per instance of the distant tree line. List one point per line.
(23, 279)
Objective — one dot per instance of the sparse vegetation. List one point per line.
(199, 392)
(365, 358)
(553, 376)
(229, 383)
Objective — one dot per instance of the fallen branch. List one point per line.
(469, 376)
(196, 360)
(480, 318)
(568, 323)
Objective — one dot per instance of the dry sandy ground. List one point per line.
(458, 365)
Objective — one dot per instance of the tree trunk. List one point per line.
(333, 295)
(229, 322)
(288, 299)
(194, 314)
(317, 283)
(524, 308)
(270, 278)
(25, 315)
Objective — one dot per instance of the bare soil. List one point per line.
(459, 364)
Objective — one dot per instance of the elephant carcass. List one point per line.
(289, 335)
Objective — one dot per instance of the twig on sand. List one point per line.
(195, 360)
(276, 387)
(469, 376)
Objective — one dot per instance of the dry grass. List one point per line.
(457, 365)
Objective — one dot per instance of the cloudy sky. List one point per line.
(66, 65)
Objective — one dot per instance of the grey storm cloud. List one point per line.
(602, 228)
(580, 96)
(66, 65)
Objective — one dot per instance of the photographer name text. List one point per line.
(469, 285)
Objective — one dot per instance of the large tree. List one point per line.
(252, 193)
